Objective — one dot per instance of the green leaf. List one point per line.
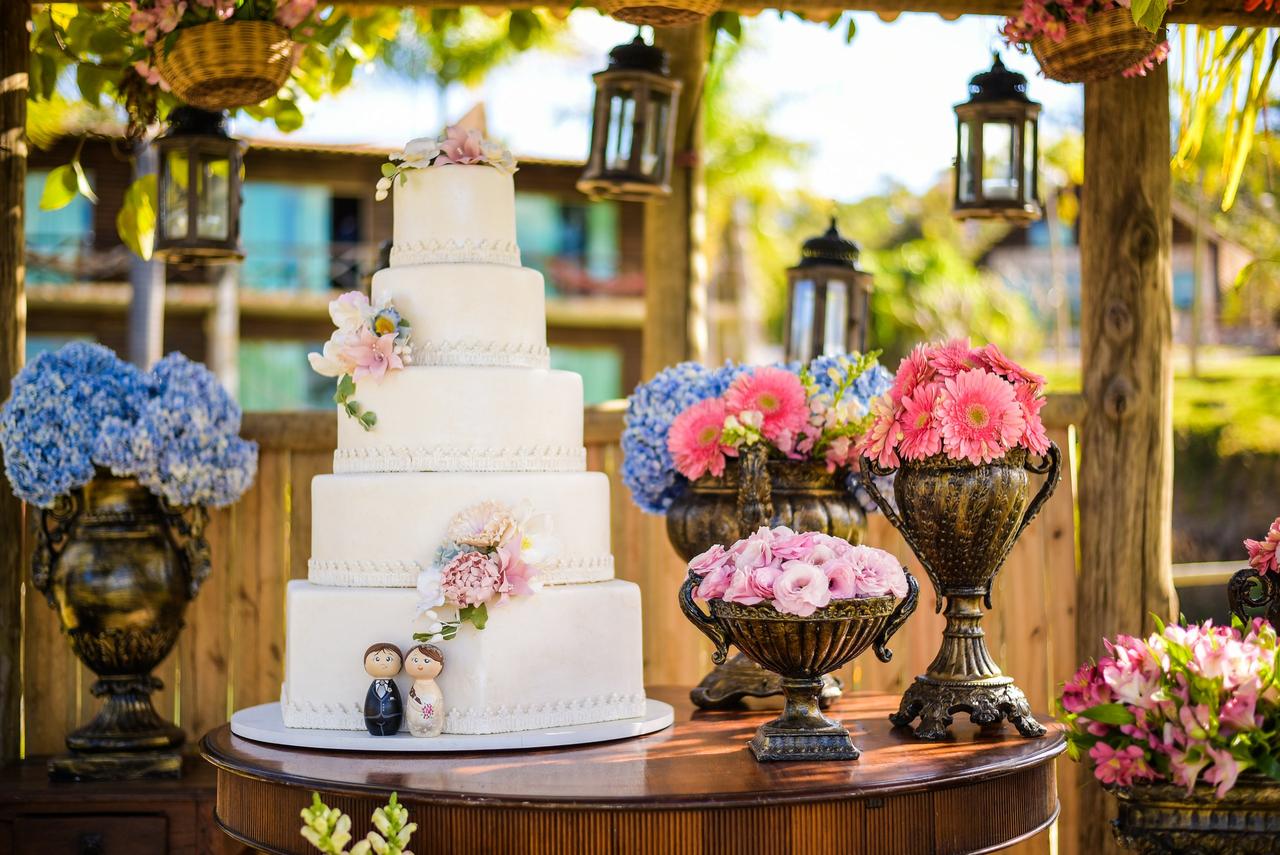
(520, 27)
(850, 30)
(60, 187)
(136, 221)
(477, 616)
(368, 420)
(82, 182)
(346, 386)
(288, 117)
(388, 170)
(90, 79)
(1109, 714)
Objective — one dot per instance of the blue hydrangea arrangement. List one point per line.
(648, 468)
(174, 428)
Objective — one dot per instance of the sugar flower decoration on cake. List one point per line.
(972, 404)
(456, 146)
(493, 552)
(369, 343)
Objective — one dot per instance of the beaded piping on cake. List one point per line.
(501, 719)
(454, 251)
(469, 353)
(453, 458)
(573, 570)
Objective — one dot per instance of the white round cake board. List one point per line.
(264, 723)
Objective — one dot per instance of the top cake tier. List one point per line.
(454, 213)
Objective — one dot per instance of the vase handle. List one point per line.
(755, 493)
(906, 607)
(52, 533)
(185, 527)
(1049, 466)
(705, 622)
(868, 472)
(1249, 590)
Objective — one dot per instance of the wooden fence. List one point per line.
(231, 654)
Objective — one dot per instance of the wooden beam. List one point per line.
(1126, 471)
(1211, 13)
(13, 178)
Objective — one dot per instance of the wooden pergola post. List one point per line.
(14, 18)
(1126, 339)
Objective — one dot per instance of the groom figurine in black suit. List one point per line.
(383, 709)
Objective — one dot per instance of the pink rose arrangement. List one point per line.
(456, 146)
(1051, 18)
(369, 343)
(969, 403)
(1189, 703)
(493, 552)
(1263, 555)
(794, 414)
(796, 572)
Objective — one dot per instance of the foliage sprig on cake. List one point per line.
(82, 408)
(796, 572)
(493, 552)
(369, 343)
(689, 419)
(455, 146)
(1190, 703)
(968, 403)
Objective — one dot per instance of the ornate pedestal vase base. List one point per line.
(116, 766)
(987, 703)
(127, 738)
(728, 685)
(802, 732)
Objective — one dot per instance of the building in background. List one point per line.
(311, 229)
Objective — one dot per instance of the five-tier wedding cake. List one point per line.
(474, 422)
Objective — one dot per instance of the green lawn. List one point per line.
(1237, 397)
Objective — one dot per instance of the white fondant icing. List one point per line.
(466, 213)
(404, 574)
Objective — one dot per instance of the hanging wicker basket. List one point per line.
(225, 65)
(1101, 47)
(659, 13)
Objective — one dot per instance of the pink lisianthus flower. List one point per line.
(777, 395)
(801, 589)
(786, 545)
(918, 423)
(1263, 555)
(471, 579)
(1225, 769)
(373, 355)
(695, 440)
(715, 566)
(981, 419)
(750, 586)
(460, 146)
(1120, 767)
(880, 441)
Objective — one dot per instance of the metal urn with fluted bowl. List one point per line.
(119, 566)
(800, 650)
(753, 492)
(961, 520)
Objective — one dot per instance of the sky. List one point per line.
(876, 110)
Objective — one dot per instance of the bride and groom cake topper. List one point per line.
(384, 709)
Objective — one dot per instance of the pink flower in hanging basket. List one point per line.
(981, 418)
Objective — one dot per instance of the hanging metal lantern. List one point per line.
(199, 189)
(997, 149)
(633, 128)
(828, 299)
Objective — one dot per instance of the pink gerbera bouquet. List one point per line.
(1263, 555)
(1189, 703)
(796, 572)
(968, 403)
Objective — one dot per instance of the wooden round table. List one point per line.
(692, 788)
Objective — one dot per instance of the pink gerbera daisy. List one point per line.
(981, 418)
(918, 423)
(1263, 554)
(881, 440)
(953, 357)
(694, 440)
(1034, 438)
(912, 371)
(777, 395)
(991, 357)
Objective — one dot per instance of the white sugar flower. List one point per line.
(421, 151)
(333, 362)
(538, 544)
(350, 312)
(430, 592)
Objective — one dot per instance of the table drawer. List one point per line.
(91, 834)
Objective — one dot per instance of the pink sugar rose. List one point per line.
(460, 146)
(1263, 555)
(918, 425)
(752, 585)
(372, 355)
(801, 589)
(694, 440)
(980, 417)
(1119, 767)
(776, 394)
(471, 579)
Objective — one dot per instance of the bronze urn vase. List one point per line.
(119, 566)
(961, 520)
(800, 650)
(753, 492)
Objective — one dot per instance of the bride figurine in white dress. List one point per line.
(424, 708)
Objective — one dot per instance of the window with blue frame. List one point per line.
(575, 245)
(286, 229)
(55, 239)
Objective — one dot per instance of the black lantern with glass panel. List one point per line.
(828, 299)
(997, 149)
(199, 189)
(633, 127)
